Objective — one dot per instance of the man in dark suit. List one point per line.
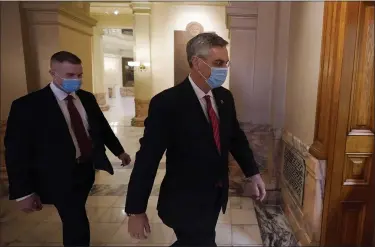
(55, 139)
(196, 123)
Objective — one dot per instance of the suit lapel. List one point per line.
(190, 96)
(193, 102)
(57, 117)
(85, 104)
(89, 114)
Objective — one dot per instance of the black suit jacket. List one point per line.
(176, 123)
(39, 150)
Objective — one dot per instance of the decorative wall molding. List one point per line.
(244, 9)
(194, 28)
(241, 22)
(141, 8)
(50, 13)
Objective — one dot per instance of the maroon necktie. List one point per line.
(214, 122)
(84, 142)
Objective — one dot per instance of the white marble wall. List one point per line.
(306, 219)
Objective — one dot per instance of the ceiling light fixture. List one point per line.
(116, 12)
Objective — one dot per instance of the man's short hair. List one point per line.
(200, 45)
(65, 56)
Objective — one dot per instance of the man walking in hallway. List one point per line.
(196, 123)
(55, 139)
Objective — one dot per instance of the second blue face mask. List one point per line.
(71, 85)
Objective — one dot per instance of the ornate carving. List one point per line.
(357, 169)
(194, 28)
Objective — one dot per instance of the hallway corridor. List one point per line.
(105, 207)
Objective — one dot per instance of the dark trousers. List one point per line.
(71, 207)
(202, 232)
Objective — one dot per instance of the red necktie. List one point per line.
(214, 121)
(84, 142)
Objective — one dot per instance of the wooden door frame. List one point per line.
(335, 80)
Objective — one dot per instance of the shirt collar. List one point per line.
(60, 94)
(200, 94)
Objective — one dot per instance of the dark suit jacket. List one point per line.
(176, 123)
(39, 150)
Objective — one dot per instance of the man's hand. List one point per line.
(30, 204)
(255, 188)
(125, 158)
(138, 225)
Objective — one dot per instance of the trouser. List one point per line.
(202, 232)
(71, 207)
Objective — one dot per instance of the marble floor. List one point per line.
(245, 223)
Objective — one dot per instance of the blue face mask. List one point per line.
(217, 77)
(71, 85)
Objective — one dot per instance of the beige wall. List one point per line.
(79, 43)
(165, 19)
(13, 75)
(306, 25)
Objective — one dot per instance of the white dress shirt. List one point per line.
(60, 97)
(200, 94)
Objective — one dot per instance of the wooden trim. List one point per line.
(340, 136)
(330, 62)
(335, 13)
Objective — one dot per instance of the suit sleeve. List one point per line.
(240, 148)
(19, 151)
(110, 139)
(153, 145)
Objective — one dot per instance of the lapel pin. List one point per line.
(221, 101)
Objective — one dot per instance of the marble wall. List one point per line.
(126, 91)
(141, 112)
(101, 99)
(305, 219)
(266, 145)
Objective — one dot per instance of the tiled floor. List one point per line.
(105, 207)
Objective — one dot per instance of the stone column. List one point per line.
(69, 27)
(142, 54)
(13, 74)
(98, 69)
(47, 27)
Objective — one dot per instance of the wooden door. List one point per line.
(345, 124)
(181, 65)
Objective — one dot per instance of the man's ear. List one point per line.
(195, 62)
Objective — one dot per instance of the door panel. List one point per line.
(181, 65)
(349, 204)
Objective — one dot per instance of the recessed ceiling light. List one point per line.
(116, 12)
